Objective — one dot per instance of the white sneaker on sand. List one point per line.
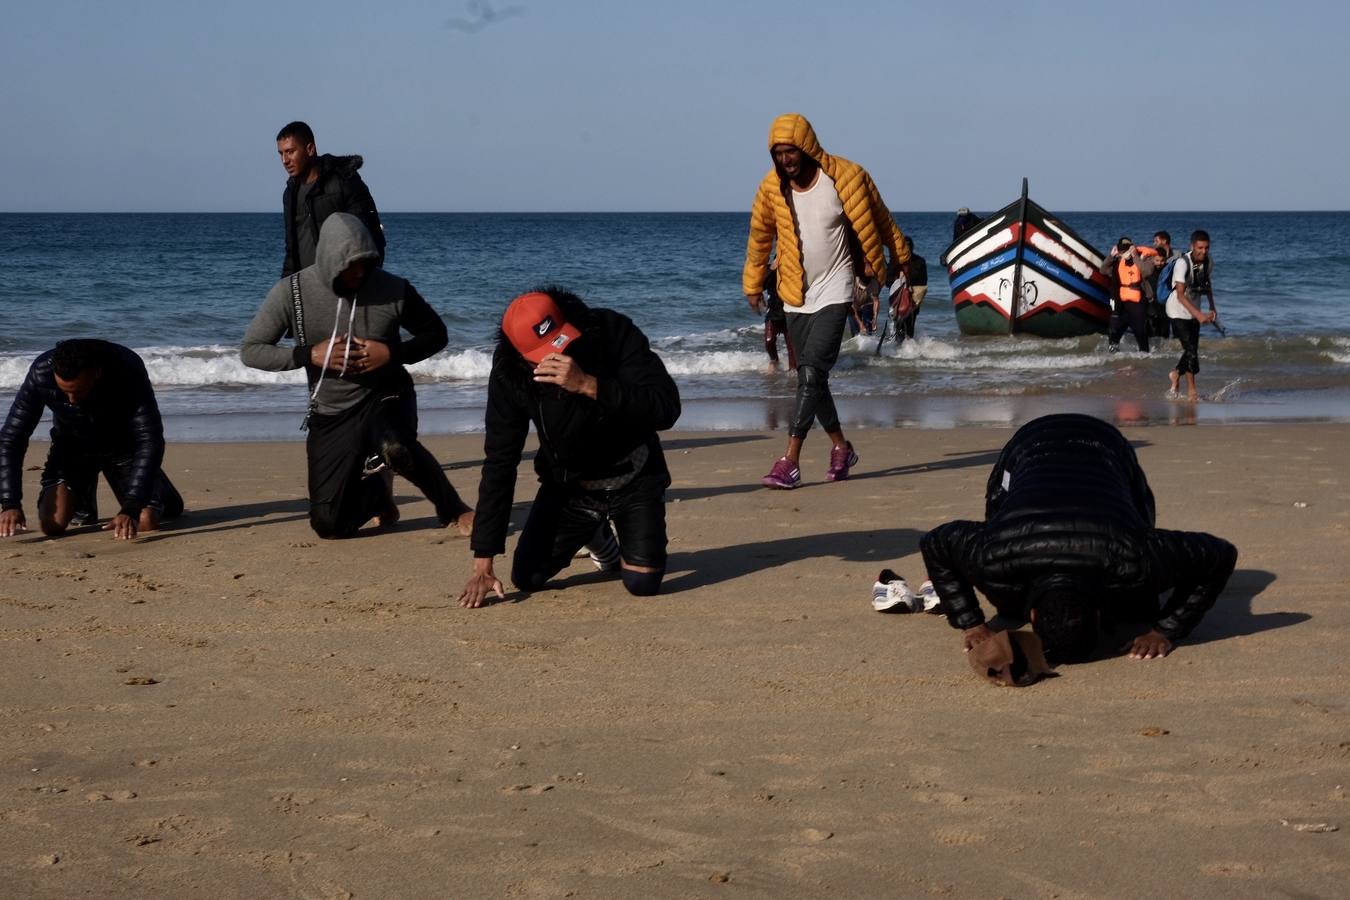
(928, 598)
(891, 594)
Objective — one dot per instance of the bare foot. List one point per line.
(1192, 397)
(388, 516)
(1174, 380)
(464, 524)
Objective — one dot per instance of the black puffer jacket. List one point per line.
(338, 189)
(579, 438)
(1067, 499)
(119, 419)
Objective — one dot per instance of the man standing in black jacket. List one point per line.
(318, 187)
(597, 395)
(104, 420)
(1069, 543)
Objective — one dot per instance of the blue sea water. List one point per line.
(181, 288)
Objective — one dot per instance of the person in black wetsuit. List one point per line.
(597, 395)
(1069, 543)
(104, 421)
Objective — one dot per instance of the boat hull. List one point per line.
(1022, 271)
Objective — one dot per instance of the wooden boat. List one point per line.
(1021, 271)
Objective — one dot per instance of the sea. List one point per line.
(181, 288)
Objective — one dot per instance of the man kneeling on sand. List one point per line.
(362, 418)
(1069, 544)
(104, 420)
(597, 395)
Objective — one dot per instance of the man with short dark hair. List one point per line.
(319, 186)
(1069, 543)
(597, 395)
(104, 421)
(1191, 279)
(362, 419)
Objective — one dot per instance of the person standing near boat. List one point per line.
(916, 276)
(319, 186)
(775, 321)
(828, 220)
(1129, 268)
(1191, 279)
(1158, 324)
(965, 220)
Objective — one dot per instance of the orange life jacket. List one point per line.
(1127, 274)
(1129, 277)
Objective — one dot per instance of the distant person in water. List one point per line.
(866, 303)
(362, 420)
(104, 421)
(828, 221)
(1069, 544)
(1131, 270)
(916, 277)
(965, 220)
(597, 395)
(319, 186)
(775, 320)
(1158, 324)
(1191, 279)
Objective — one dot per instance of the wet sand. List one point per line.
(233, 708)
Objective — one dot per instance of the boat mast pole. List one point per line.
(1014, 306)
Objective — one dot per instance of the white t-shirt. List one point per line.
(1180, 272)
(825, 253)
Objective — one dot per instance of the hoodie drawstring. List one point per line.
(328, 356)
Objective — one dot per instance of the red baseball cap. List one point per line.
(535, 326)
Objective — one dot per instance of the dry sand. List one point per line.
(325, 722)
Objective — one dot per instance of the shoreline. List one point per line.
(924, 412)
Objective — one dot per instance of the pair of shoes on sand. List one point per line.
(786, 474)
(891, 594)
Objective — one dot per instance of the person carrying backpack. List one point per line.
(1190, 279)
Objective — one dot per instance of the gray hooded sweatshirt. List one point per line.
(384, 306)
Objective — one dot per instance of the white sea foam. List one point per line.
(219, 366)
(718, 362)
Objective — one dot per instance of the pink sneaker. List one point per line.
(785, 475)
(841, 460)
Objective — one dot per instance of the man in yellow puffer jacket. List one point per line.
(829, 221)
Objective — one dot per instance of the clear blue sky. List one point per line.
(623, 105)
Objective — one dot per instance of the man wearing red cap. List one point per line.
(597, 395)
(830, 225)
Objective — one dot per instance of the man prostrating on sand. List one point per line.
(597, 395)
(830, 225)
(362, 417)
(104, 420)
(1069, 544)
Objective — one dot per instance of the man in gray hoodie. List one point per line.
(362, 419)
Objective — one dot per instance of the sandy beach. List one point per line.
(233, 708)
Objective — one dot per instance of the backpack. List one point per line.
(1165, 280)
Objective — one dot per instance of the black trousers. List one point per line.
(1133, 316)
(79, 473)
(1187, 331)
(564, 518)
(341, 500)
(816, 336)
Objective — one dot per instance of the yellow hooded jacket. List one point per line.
(772, 215)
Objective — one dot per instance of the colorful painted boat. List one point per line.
(1022, 271)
